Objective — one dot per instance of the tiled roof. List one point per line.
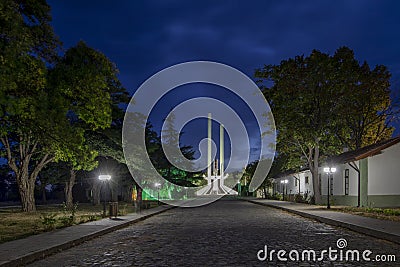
(363, 152)
(351, 156)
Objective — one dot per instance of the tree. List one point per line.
(88, 79)
(42, 96)
(171, 143)
(367, 119)
(310, 97)
(48, 175)
(247, 175)
(27, 43)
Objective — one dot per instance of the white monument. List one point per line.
(215, 176)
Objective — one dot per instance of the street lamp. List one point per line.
(158, 185)
(284, 182)
(104, 178)
(329, 171)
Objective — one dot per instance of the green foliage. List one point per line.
(70, 210)
(47, 102)
(163, 165)
(277, 196)
(322, 103)
(299, 198)
(94, 217)
(363, 101)
(249, 171)
(328, 101)
(28, 108)
(389, 212)
(85, 78)
(49, 221)
(68, 217)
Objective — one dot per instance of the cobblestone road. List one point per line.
(225, 233)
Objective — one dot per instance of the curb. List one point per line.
(356, 228)
(41, 254)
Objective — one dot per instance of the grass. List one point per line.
(378, 213)
(15, 224)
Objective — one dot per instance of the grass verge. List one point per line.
(377, 213)
(15, 224)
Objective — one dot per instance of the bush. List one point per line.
(68, 217)
(93, 217)
(299, 198)
(277, 196)
(49, 221)
(66, 221)
(391, 212)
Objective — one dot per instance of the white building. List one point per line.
(369, 177)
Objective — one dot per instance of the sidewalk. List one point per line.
(22, 251)
(383, 229)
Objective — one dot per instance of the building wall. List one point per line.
(339, 180)
(292, 186)
(384, 172)
(304, 186)
(380, 187)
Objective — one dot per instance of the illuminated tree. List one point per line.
(322, 102)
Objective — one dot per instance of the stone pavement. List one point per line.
(383, 229)
(22, 251)
(225, 233)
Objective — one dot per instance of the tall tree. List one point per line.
(42, 97)
(27, 44)
(171, 139)
(310, 98)
(367, 119)
(88, 80)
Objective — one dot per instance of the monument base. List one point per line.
(215, 186)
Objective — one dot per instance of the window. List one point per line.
(306, 179)
(295, 182)
(346, 182)
(331, 185)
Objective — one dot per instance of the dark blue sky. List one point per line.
(143, 37)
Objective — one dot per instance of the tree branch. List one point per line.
(10, 159)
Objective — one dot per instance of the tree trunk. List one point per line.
(20, 166)
(314, 172)
(26, 186)
(96, 193)
(26, 192)
(69, 201)
(113, 191)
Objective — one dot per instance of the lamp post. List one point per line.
(158, 185)
(329, 171)
(284, 182)
(104, 178)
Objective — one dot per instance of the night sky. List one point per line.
(143, 37)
